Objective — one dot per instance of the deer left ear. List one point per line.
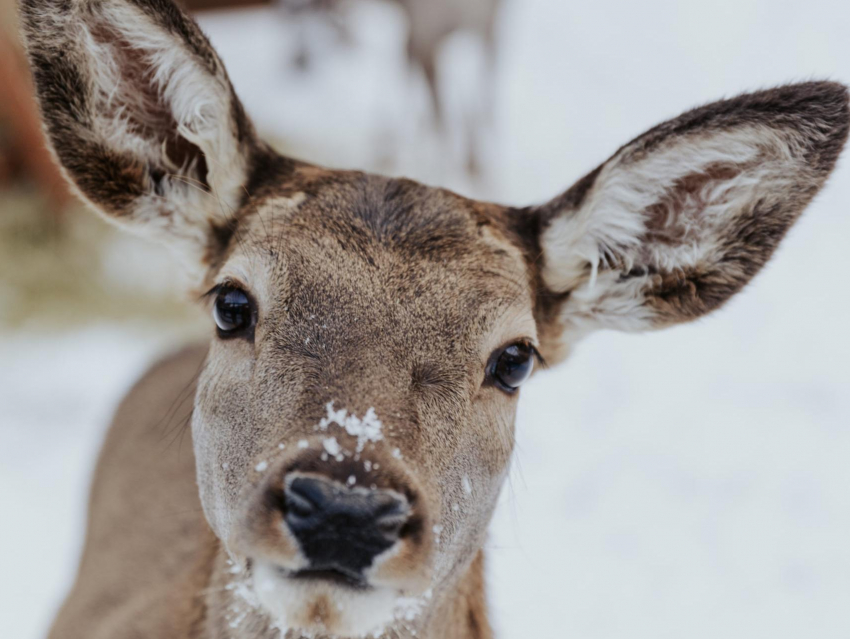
(142, 116)
(679, 219)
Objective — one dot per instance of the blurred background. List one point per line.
(694, 482)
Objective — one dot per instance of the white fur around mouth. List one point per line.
(318, 605)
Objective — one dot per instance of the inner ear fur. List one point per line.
(141, 115)
(679, 219)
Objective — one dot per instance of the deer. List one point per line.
(351, 415)
(430, 24)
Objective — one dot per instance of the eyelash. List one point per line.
(215, 290)
(538, 358)
(225, 284)
(537, 355)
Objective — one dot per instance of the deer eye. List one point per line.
(233, 312)
(512, 365)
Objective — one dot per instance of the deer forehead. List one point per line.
(362, 254)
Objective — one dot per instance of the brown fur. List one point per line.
(372, 294)
(167, 577)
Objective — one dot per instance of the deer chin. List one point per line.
(328, 606)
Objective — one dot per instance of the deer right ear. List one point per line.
(141, 115)
(681, 218)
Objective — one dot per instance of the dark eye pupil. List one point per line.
(514, 365)
(232, 310)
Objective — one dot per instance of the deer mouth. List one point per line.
(324, 601)
(333, 576)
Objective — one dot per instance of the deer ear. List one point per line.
(140, 113)
(679, 219)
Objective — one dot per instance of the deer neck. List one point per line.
(227, 607)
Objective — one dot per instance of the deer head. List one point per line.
(354, 420)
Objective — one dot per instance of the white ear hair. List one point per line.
(141, 114)
(198, 97)
(681, 218)
(610, 227)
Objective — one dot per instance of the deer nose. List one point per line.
(342, 528)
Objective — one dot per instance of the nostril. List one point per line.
(298, 504)
(390, 526)
(390, 514)
(387, 504)
(313, 491)
(342, 527)
(303, 499)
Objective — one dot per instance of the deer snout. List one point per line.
(358, 519)
(342, 528)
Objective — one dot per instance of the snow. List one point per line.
(409, 608)
(466, 484)
(367, 429)
(692, 482)
(332, 446)
(437, 529)
(245, 601)
(57, 392)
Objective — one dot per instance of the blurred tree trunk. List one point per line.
(25, 147)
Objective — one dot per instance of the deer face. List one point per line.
(354, 428)
(354, 419)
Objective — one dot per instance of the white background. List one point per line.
(691, 483)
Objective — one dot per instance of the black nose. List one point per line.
(341, 528)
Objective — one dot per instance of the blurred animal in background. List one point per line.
(309, 14)
(430, 24)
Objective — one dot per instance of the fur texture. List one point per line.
(374, 296)
(141, 115)
(681, 218)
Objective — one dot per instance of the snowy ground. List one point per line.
(688, 483)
